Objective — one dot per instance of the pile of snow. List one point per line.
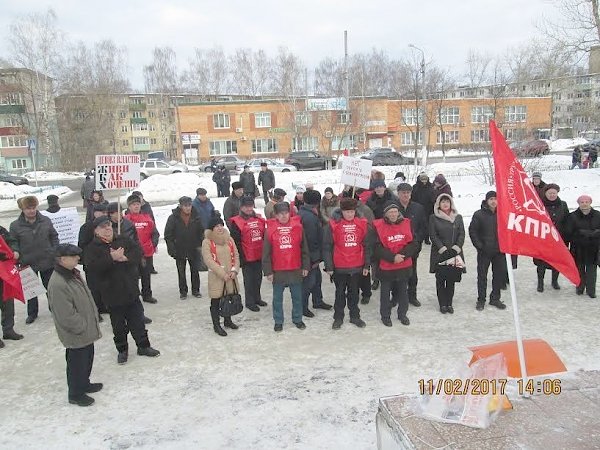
(566, 144)
(42, 175)
(171, 187)
(9, 193)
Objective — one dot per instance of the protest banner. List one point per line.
(356, 172)
(32, 286)
(117, 171)
(66, 223)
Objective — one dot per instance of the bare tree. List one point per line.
(478, 64)
(250, 71)
(207, 74)
(439, 83)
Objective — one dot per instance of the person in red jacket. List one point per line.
(248, 231)
(285, 261)
(148, 236)
(394, 248)
(347, 256)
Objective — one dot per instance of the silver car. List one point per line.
(272, 164)
(153, 166)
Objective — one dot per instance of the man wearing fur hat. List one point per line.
(313, 232)
(483, 231)
(231, 207)
(36, 241)
(347, 254)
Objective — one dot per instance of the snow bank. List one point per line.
(9, 193)
(49, 176)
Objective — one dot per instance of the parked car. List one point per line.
(231, 162)
(273, 165)
(309, 160)
(591, 145)
(14, 179)
(387, 157)
(532, 148)
(151, 167)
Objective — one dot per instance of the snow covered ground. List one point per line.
(9, 193)
(255, 389)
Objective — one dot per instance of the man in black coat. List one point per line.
(422, 193)
(183, 235)
(114, 260)
(126, 225)
(222, 179)
(379, 198)
(266, 178)
(419, 224)
(248, 181)
(231, 208)
(313, 230)
(484, 235)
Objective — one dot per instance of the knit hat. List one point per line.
(68, 250)
(112, 207)
(99, 221)
(279, 193)
(247, 200)
(214, 221)
(29, 201)
(300, 189)
(138, 193)
(536, 175)
(236, 185)
(490, 194)
(281, 207)
(347, 204)
(201, 191)
(584, 197)
(377, 183)
(185, 200)
(133, 199)
(440, 179)
(328, 189)
(554, 186)
(423, 176)
(405, 187)
(100, 207)
(311, 197)
(390, 205)
(400, 175)
(52, 199)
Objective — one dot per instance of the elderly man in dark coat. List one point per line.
(266, 178)
(76, 321)
(248, 181)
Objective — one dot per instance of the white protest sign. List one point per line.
(117, 171)
(32, 286)
(66, 224)
(357, 172)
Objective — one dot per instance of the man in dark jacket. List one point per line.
(76, 321)
(115, 261)
(232, 204)
(484, 235)
(7, 305)
(266, 178)
(415, 212)
(248, 181)
(222, 179)
(146, 207)
(422, 193)
(87, 188)
(379, 198)
(183, 235)
(538, 183)
(36, 240)
(203, 207)
(313, 230)
(53, 206)
(127, 228)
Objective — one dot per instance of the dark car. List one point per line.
(309, 160)
(531, 149)
(16, 180)
(387, 157)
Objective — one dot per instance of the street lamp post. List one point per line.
(424, 98)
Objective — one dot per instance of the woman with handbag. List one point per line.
(221, 256)
(447, 234)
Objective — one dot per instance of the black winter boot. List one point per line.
(229, 323)
(555, 284)
(216, 320)
(540, 278)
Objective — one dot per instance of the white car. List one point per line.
(271, 164)
(153, 166)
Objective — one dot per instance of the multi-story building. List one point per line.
(27, 116)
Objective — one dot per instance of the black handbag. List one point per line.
(449, 273)
(230, 304)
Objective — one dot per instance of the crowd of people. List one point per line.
(363, 240)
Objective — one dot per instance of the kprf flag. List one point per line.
(524, 226)
(9, 274)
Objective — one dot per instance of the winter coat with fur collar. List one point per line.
(216, 271)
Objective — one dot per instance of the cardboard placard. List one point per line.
(117, 171)
(66, 223)
(357, 172)
(32, 285)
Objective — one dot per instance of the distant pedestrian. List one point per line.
(222, 179)
(248, 181)
(87, 187)
(538, 184)
(576, 158)
(266, 178)
(329, 203)
(95, 198)
(203, 206)
(231, 207)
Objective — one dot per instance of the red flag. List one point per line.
(9, 274)
(524, 226)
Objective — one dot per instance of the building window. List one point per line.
(407, 138)
(221, 121)
(153, 141)
(303, 119)
(515, 113)
(343, 142)
(481, 114)
(152, 114)
(262, 120)
(125, 142)
(450, 137)
(8, 121)
(19, 163)
(449, 116)
(14, 98)
(164, 114)
(409, 116)
(123, 128)
(13, 141)
(150, 101)
(140, 140)
(139, 127)
(137, 115)
(305, 143)
(137, 101)
(582, 119)
(122, 114)
(264, 146)
(480, 135)
(223, 147)
(151, 127)
(514, 134)
(344, 117)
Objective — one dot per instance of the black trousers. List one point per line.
(587, 272)
(365, 285)
(498, 263)
(32, 303)
(398, 288)
(145, 270)
(79, 368)
(413, 280)
(92, 282)
(311, 285)
(150, 262)
(266, 195)
(252, 281)
(181, 263)
(444, 290)
(346, 293)
(7, 309)
(125, 319)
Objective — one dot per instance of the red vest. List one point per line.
(348, 239)
(252, 230)
(286, 244)
(144, 226)
(394, 238)
(365, 196)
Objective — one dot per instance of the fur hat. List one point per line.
(279, 193)
(99, 221)
(247, 200)
(311, 197)
(423, 176)
(214, 221)
(100, 207)
(347, 204)
(185, 200)
(554, 186)
(29, 201)
(112, 207)
(236, 185)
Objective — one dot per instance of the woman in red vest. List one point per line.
(394, 248)
(347, 256)
(248, 230)
(285, 261)
(221, 256)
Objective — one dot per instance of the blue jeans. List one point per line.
(296, 291)
(311, 284)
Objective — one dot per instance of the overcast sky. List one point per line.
(312, 29)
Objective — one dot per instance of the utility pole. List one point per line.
(424, 104)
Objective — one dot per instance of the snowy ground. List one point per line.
(9, 193)
(255, 389)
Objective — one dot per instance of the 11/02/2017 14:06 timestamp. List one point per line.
(483, 386)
